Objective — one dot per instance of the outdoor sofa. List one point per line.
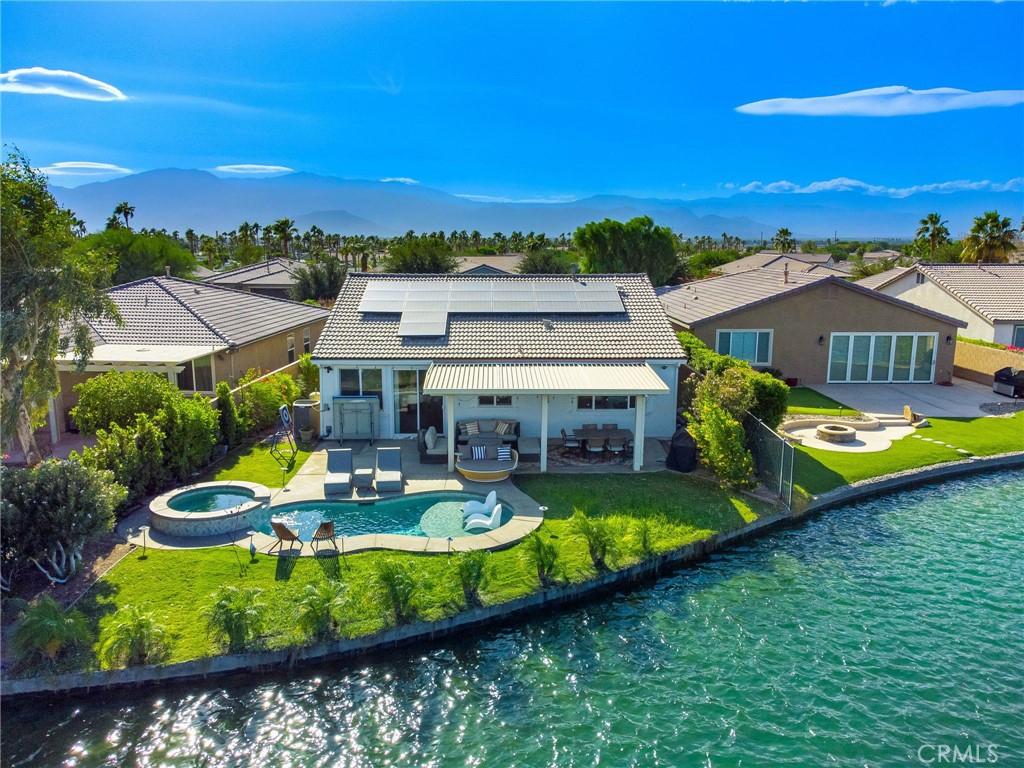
(433, 447)
(506, 429)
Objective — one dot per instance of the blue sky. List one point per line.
(525, 101)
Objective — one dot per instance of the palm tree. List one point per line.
(934, 229)
(285, 231)
(192, 239)
(125, 210)
(46, 629)
(133, 637)
(783, 241)
(319, 609)
(236, 616)
(990, 240)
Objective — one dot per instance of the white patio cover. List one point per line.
(543, 379)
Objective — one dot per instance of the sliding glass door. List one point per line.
(413, 409)
(881, 357)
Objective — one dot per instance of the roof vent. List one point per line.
(785, 273)
(167, 270)
(548, 325)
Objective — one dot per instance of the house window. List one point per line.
(605, 402)
(361, 382)
(197, 375)
(1018, 336)
(291, 347)
(306, 348)
(919, 279)
(494, 400)
(753, 346)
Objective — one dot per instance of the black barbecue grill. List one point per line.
(1009, 381)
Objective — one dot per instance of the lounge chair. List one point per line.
(324, 533)
(283, 533)
(490, 522)
(484, 507)
(389, 470)
(339, 471)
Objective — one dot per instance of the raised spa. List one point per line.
(207, 509)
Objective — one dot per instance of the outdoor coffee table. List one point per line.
(362, 478)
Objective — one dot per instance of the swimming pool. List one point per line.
(210, 499)
(418, 514)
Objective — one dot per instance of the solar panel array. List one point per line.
(425, 307)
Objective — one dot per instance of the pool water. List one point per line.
(420, 514)
(209, 499)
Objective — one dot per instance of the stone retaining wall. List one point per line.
(977, 363)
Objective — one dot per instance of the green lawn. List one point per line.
(818, 471)
(177, 584)
(805, 400)
(255, 464)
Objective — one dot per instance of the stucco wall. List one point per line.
(799, 319)
(977, 363)
(930, 296)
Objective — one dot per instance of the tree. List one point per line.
(933, 229)
(599, 537)
(703, 263)
(544, 556)
(546, 261)
(133, 454)
(191, 428)
(118, 397)
(808, 246)
(396, 589)
(235, 617)
(230, 431)
(46, 629)
(783, 241)
(285, 231)
(320, 606)
(421, 255)
(473, 571)
(636, 246)
(135, 255)
(722, 444)
(990, 240)
(48, 292)
(133, 637)
(125, 211)
(320, 281)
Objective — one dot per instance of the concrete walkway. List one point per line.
(964, 398)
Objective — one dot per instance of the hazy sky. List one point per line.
(525, 101)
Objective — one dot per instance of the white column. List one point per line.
(543, 433)
(638, 432)
(449, 406)
(54, 426)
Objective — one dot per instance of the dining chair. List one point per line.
(609, 426)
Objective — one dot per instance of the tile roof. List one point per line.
(168, 310)
(642, 332)
(275, 273)
(507, 263)
(705, 300)
(881, 279)
(798, 262)
(995, 291)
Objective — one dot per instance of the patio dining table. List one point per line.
(602, 434)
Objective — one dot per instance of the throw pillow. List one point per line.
(504, 453)
(462, 428)
(503, 428)
(473, 428)
(479, 451)
(430, 439)
(492, 452)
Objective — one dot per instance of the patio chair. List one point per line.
(489, 522)
(616, 445)
(484, 507)
(609, 426)
(388, 476)
(283, 533)
(339, 471)
(595, 447)
(325, 532)
(570, 442)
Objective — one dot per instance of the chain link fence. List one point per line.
(773, 458)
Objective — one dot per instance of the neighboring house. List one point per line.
(194, 333)
(268, 278)
(989, 298)
(505, 264)
(796, 262)
(815, 328)
(550, 351)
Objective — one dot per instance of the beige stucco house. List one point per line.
(815, 328)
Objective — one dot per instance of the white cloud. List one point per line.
(541, 200)
(843, 184)
(253, 168)
(399, 180)
(83, 168)
(58, 82)
(891, 101)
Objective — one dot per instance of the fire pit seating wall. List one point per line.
(505, 429)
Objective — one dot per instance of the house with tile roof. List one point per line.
(267, 278)
(194, 333)
(794, 262)
(550, 351)
(989, 298)
(505, 264)
(815, 328)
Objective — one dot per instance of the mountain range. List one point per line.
(179, 199)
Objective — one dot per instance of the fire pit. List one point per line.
(836, 433)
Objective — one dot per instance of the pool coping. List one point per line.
(160, 511)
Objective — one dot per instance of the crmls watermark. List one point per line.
(954, 754)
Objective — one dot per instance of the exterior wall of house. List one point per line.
(1003, 333)
(797, 321)
(931, 296)
(563, 412)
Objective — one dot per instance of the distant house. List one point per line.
(505, 264)
(989, 298)
(795, 262)
(815, 328)
(267, 278)
(194, 333)
(549, 352)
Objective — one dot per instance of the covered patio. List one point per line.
(544, 380)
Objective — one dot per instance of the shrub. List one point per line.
(286, 387)
(191, 432)
(259, 401)
(731, 389)
(319, 608)
(721, 440)
(227, 416)
(396, 589)
(544, 556)
(235, 617)
(641, 534)
(118, 397)
(134, 455)
(598, 535)
(61, 504)
(309, 375)
(45, 630)
(473, 570)
(133, 637)
(703, 359)
(771, 398)
(15, 524)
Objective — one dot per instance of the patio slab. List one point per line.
(963, 399)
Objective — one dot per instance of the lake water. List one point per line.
(871, 635)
